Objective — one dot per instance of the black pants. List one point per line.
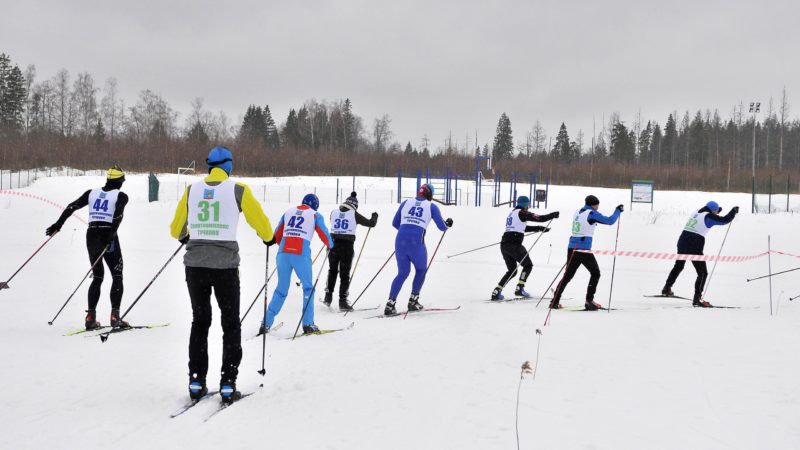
(225, 283)
(515, 255)
(96, 241)
(574, 261)
(341, 260)
(690, 244)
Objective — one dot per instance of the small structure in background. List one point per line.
(642, 192)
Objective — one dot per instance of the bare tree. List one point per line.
(30, 75)
(784, 114)
(112, 107)
(382, 132)
(85, 100)
(768, 124)
(62, 102)
(538, 137)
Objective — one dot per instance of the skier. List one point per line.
(343, 230)
(294, 233)
(511, 247)
(583, 224)
(411, 221)
(106, 210)
(205, 220)
(691, 242)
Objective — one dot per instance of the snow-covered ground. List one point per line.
(646, 376)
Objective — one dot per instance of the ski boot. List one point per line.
(667, 292)
(91, 322)
(263, 329)
(700, 303)
(521, 292)
(344, 305)
(310, 329)
(497, 294)
(197, 389)
(591, 305)
(414, 304)
(328, 298)
(228, 393)
(389, 310)
(116, 322)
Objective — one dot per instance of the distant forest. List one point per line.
(72, 121)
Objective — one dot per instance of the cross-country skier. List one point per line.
(411, 221)
(511, 247)
(205, 220)
(294, 233)
(343, 230)
(106, 210)
(583, 225)
(691, 242)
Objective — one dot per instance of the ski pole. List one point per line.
(104, 336)
(614, 265)
(99, 258)
(552, 282)
(263, 370)
(772, 274)
(313, 261)
(370, 281)
(310, 296)
(257, 296)
(359, 255)
(4, 285)
(479, 248)
(431, 261)
(708, 281)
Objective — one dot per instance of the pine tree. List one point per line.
(655, 145)
(563, 149)
(348, 119)
(12, 95)
(408, 151)
(198, 135)
(670, 143)
(503, 140)
(99, 133)
(272, 138)
(645, 138)
(622, 147)
(698, 144)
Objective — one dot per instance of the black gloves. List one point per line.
(540, 229)
(556, 214)
(270, 242)
(53, 229)
(735, 210)
(184, 239)
(620, 208)
(448, 222)
(374, 216)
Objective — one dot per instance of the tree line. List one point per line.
(66, 120)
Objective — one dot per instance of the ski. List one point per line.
(274, 328)
(402, 313)
(224, 406)
(352, 324)
(104, 335)
(84, 330)
(522, 299)
(667, 296)
(192, 403)
(361, 309)
(578, 308)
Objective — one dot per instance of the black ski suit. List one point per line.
(514, 253)
(341, 255)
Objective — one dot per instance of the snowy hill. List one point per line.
(654, 374)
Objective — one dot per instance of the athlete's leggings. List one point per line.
(96, 241)
(407, 252)
(574, 261)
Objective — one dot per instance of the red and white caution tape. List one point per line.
(677, 256)
(36, 197)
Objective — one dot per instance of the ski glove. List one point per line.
(184, 239)
(621, 208)
(539, 229)
(53, 229)
(555, 214)
(449, 222)
(374, 216)
(270, 242)
(735, 210)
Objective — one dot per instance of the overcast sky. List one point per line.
(434, 67)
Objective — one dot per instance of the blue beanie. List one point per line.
(220, 157)
(713, 206)
(523, 201)
(312, 201)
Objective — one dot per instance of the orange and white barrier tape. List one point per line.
(36, 197)
(678, 256)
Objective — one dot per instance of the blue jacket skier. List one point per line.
(294, 233)
(691, 242)
(411, 221)
(583, 224)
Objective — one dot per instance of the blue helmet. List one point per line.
(523, 201)
(713, 206)
(220, 157)
(312, 201)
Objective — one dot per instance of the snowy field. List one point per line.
(654, 374)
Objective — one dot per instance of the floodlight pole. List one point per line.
(755, 107)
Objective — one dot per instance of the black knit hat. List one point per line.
(352, 201)
(591, 200)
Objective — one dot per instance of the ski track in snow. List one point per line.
(645, 376)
